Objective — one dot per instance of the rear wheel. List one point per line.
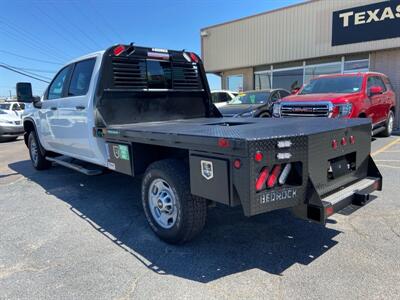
(38, 160)
(264, 115)
(389, 125)
(174, 214)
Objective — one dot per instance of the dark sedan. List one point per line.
(257, 104)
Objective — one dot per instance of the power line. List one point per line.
(22, 73)
(30, 58)
(24, 70)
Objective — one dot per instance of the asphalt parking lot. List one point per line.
(65, 235)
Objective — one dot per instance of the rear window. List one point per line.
(339, 85)
(159, 74)
(81, 76)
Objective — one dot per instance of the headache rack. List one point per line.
(149, 69)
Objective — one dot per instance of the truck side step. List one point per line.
(75, 166)
(357, 194)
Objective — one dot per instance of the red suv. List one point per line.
(356, 95)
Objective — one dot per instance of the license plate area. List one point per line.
(342, 165)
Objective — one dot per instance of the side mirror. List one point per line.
(24, 92)
(375, 90)
(295, 91)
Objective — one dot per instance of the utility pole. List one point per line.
(10, 93)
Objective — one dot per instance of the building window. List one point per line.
(288, 79)
(263, 81)
(311, 72)
(356, 66)
(235, 83)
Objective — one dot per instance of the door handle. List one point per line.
(80, 107)
(53, 108)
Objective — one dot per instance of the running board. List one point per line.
(74, 166)
(378, 130)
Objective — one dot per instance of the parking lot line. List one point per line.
(384, 148)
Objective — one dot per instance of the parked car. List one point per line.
(13, 108)
(356, 95)
(256, 104)
(10, 126)
(221, 97)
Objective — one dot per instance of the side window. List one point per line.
(22, 106)
(56, 87)
(275, 96)
(388, 84)
(15, 107)
(379, 82)
(224, 97)
(284, 94)
(81, 76)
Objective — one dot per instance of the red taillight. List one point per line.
(352, 139)
(262, 178)
(274, 176)
(258, 156)
(237, 163)
(118, 50)
(223, 143)
(334, 144)
(194, 57)
(344, 141)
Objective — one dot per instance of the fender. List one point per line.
(26, 135)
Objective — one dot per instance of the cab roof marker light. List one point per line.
(284, 155)
(284, 144)
(118, 50)
(285, 173)
(194, 57)
(158, 55)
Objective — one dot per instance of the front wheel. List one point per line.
(174, 214)
(389, 125)
(38, 160)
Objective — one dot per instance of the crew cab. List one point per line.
(148, 112)
(356, 95)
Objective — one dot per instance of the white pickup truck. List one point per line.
(148, 111)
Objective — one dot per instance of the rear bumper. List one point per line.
(11, 131)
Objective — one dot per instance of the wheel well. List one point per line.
(362, 115)
(144, 154)
(28, 127)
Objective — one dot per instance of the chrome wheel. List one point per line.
(34, 151)
(162, 203)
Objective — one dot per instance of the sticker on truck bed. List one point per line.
(278, 195)
(207, 169)
(121, 152)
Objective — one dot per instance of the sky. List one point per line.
(38, 37)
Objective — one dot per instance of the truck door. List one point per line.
(47, 118)
(74, 110)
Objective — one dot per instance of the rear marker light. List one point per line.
(274, 176)
(352, 139)
(334, 144)
(329, 211)
(344, 141)
(283, 155)
(118, 50)
(223, 143)
(284, 144)
(262, 178)
(237, 163)
(258, 156)
(285, 174)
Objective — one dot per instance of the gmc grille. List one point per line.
(305, 109)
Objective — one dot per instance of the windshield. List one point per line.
(339, 85)
(5, 106)
(250, 98)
